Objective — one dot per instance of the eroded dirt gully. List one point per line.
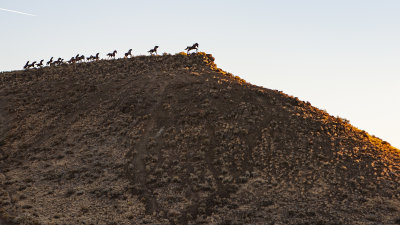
(173, 139)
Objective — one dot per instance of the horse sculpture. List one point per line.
(72, 60)
(154, 50)
(194, 46)
(31, 65)
(50, 61)
(91, 57)
(40, 64)
(129, 53)
(112, 55)
(58, 62)
(26, 65)
(82, 58)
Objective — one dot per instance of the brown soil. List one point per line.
(174, 140)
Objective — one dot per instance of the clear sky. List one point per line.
(342, 56)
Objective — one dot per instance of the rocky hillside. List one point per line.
(172, 139)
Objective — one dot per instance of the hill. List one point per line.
(173, 139)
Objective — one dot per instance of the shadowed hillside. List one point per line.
(174, 140)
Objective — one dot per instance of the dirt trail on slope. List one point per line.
(139, 151)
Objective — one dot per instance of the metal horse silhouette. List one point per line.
(112, 55)
(154, 50)
(194, 46)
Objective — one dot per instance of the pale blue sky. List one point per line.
(342, 55)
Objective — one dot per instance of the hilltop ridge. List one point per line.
(173, 139)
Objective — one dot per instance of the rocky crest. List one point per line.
(172, 139)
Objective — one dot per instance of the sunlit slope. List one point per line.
(173, 139)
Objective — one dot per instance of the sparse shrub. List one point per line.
(344, 120)
(69, 192)
(26, 207)
(240, 79)
(176, 179)
(211, 57)
(84, 209)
